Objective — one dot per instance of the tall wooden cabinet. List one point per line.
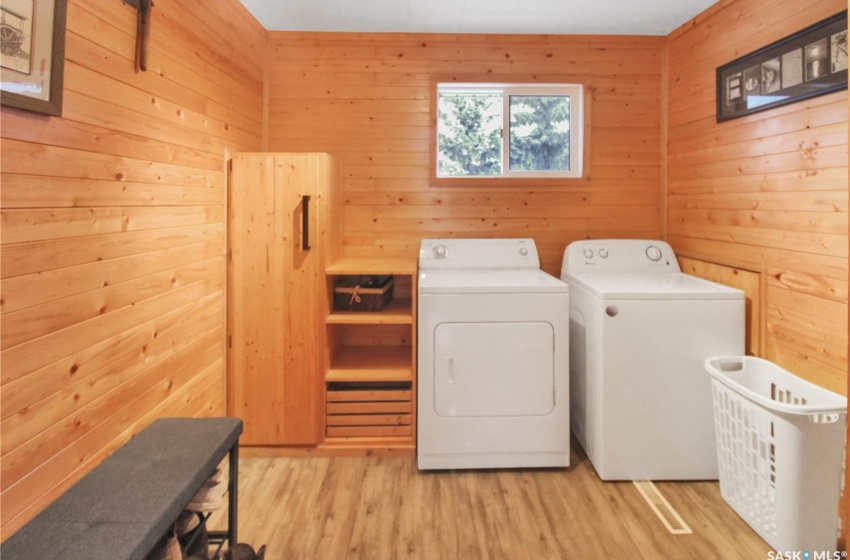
(299, 372)
(280, 241)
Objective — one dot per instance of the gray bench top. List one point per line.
(121, 509)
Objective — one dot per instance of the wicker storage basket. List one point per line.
(363, 293)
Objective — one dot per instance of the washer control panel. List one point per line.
(619, 255)
(653, 253)
(478, 253)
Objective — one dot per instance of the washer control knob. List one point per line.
(653, 252)
(440, 251)
(588, 253)
(523, 251)
(603, 253)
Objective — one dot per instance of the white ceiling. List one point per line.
(620, 17)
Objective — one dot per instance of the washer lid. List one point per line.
(488, 282)
(647, 285)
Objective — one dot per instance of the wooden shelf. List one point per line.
(375, 446)
(397, 312)
(371, 363)
(385, 440)
(377, 266)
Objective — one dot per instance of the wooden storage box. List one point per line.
(364, 409)
(363, 293)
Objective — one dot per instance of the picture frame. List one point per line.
(803, 65)
(32, 42)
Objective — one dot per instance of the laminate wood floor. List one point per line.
(384, 508)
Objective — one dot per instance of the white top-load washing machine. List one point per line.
(640, 331)
(493, 385)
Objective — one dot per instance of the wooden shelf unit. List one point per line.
(370, 383)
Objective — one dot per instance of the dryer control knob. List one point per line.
(588, 253)
(653, 252)
(440, 251)
(603, 253)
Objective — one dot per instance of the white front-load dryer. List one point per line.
(493, 387)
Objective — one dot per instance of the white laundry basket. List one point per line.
(780, 444)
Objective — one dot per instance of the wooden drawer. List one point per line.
(363, 409)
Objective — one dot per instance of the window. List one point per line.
(509, 130)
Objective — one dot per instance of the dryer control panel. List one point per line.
(478, 254)
(619, 255)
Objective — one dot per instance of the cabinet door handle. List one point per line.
(305, 222)
(450, 367)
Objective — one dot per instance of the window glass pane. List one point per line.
(469, 129)
(540, 133)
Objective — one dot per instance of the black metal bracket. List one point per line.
(143, 31)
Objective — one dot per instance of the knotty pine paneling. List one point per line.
(112, 233)
(766, 192)
(365, 98)
(844, 508)
(745, 280)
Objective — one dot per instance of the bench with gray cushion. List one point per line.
(122, 508)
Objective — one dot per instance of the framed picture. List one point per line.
(32, 43)
(808, 63)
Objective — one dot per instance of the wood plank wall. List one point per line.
(113, 239)
(365, 98)
(746, 280)
(844, 510)
(766, 192)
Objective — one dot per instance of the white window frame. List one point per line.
(575, 93)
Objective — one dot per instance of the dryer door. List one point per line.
(494, 369)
